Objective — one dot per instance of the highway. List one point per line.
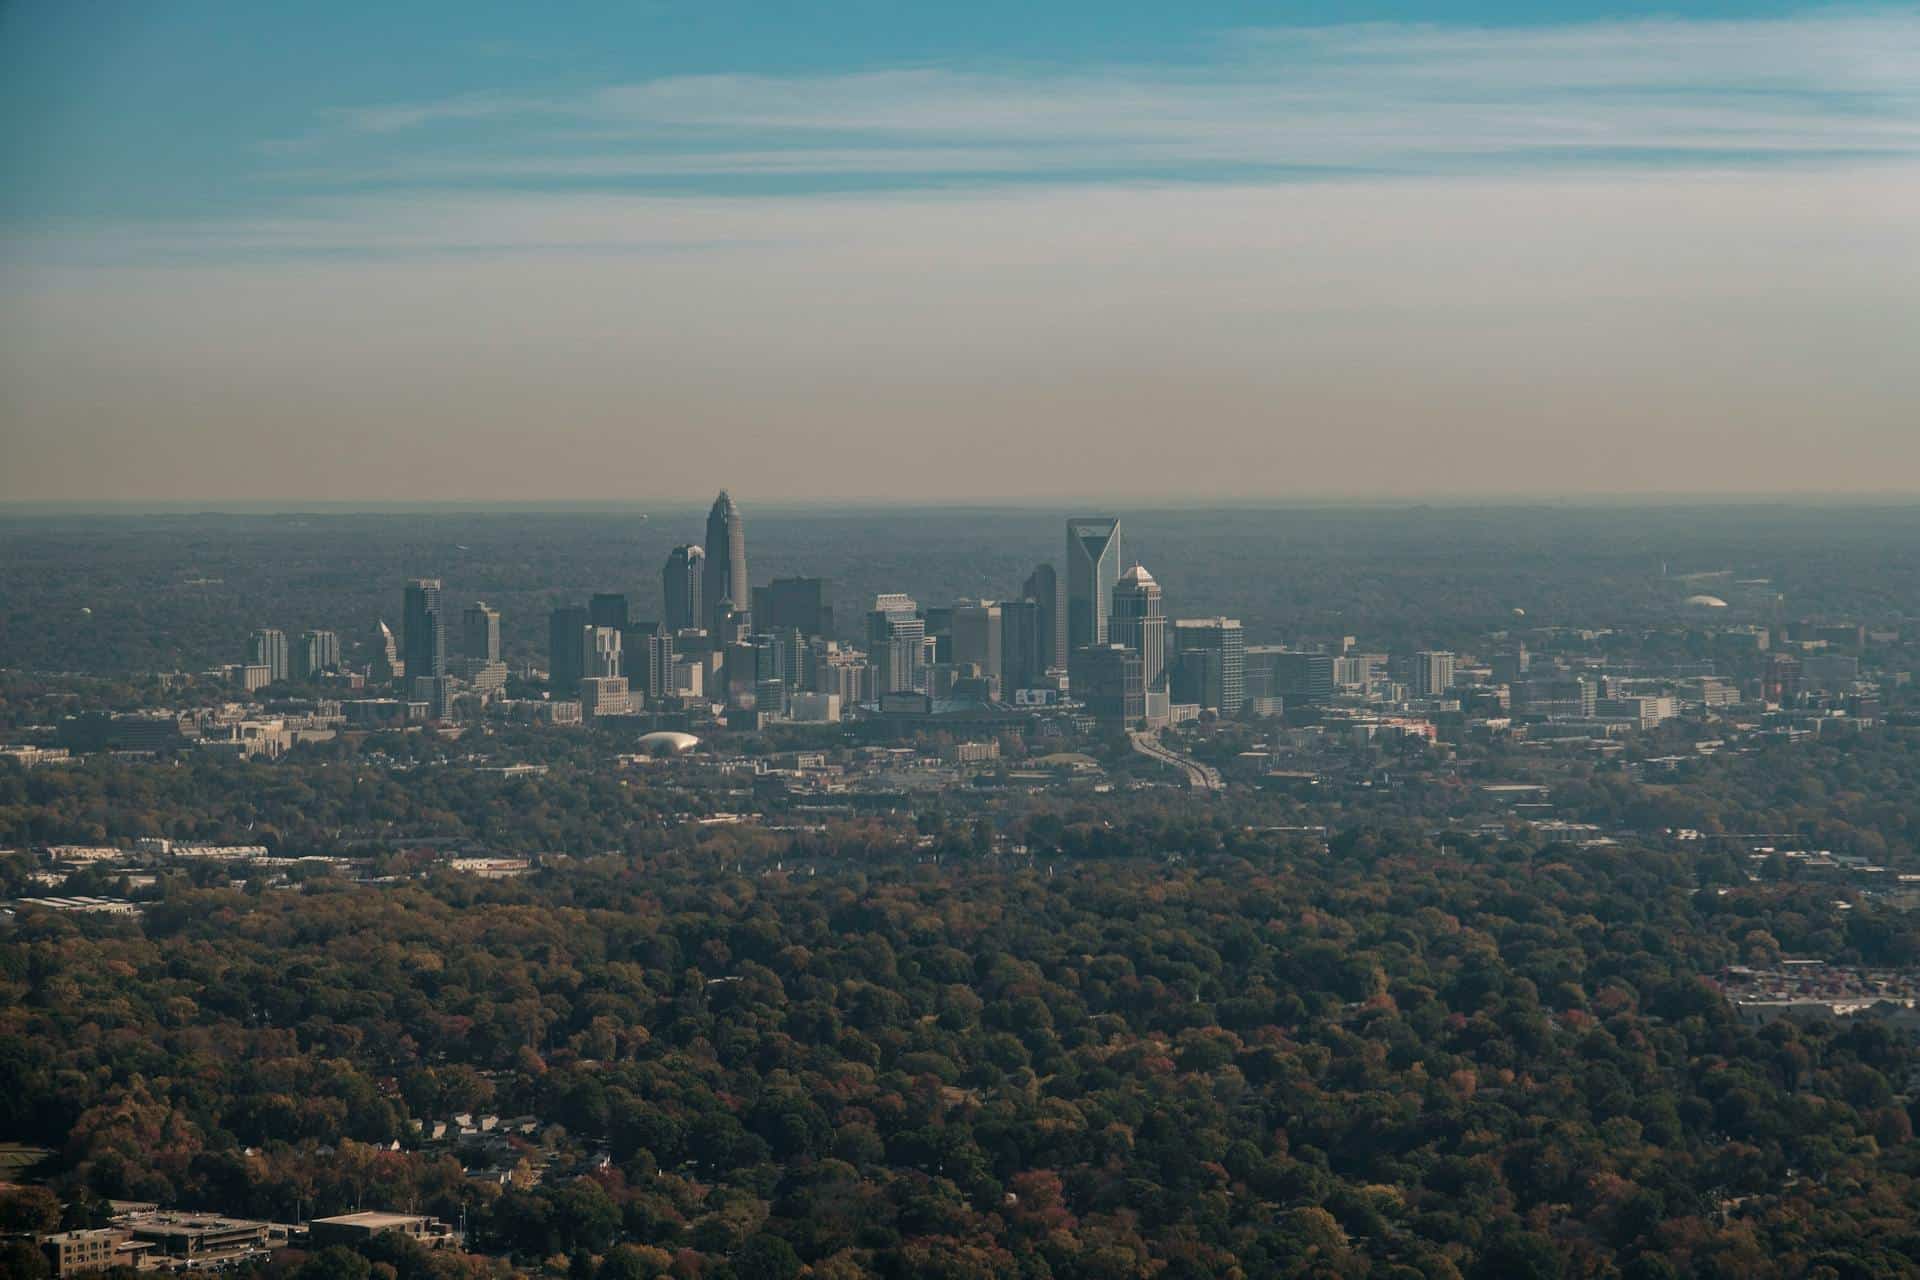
(1199, 776)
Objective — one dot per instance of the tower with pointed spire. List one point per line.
(724, 576)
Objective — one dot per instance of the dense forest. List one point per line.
(1238, 1054)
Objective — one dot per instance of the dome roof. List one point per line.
(1705, 602)
(1137, 576)
(668, 743)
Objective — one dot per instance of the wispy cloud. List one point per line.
(1357, 98)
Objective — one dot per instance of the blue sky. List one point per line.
(1315, 234)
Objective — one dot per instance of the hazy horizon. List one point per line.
(1439, 249)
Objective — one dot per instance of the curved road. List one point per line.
(1200, 777)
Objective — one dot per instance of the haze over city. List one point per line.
(469, 253)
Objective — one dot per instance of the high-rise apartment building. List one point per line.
(682, 588)
(423, 630)
(1432, 673)
(317, 651)
(267, 648)
(1093, 569)
(1212, 666)
(724, 579)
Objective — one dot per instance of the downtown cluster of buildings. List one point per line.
(1087, 639)
(1094, 641)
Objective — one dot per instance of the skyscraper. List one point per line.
(317, 651)
(1432, 673)
(566, 649)
(267, 648)
(1025, 644)
(682, 588)
(1093, 569)
(608, 609)
(1140, 623)
(797, 604)
(1112, 685)
(423, 631)
(976, 637)
(480, 633)
(725, 576)
(1140, 620)
(386, 666)
(1043, 588)
(1213, 663)
(896, 641)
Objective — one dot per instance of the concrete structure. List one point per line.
(604, 696)
(357, 1228)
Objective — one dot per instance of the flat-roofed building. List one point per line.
(356, 1228)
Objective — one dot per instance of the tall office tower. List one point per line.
(423, 630)
(1025, 648)
(977, 639)
(1213, 662)
(267, 648)
(681, 588)
(1043, 588)
(317, 651)
(798, 604)
(1112, 684)
(896, 643)
(600, 651)
(566, 649)
(725, 575)
(1093, 569)
(1140, 623)
(386, 666)
(1432, 673)
(608, 609)
(480, 633)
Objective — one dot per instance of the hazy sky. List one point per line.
(854, 249)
